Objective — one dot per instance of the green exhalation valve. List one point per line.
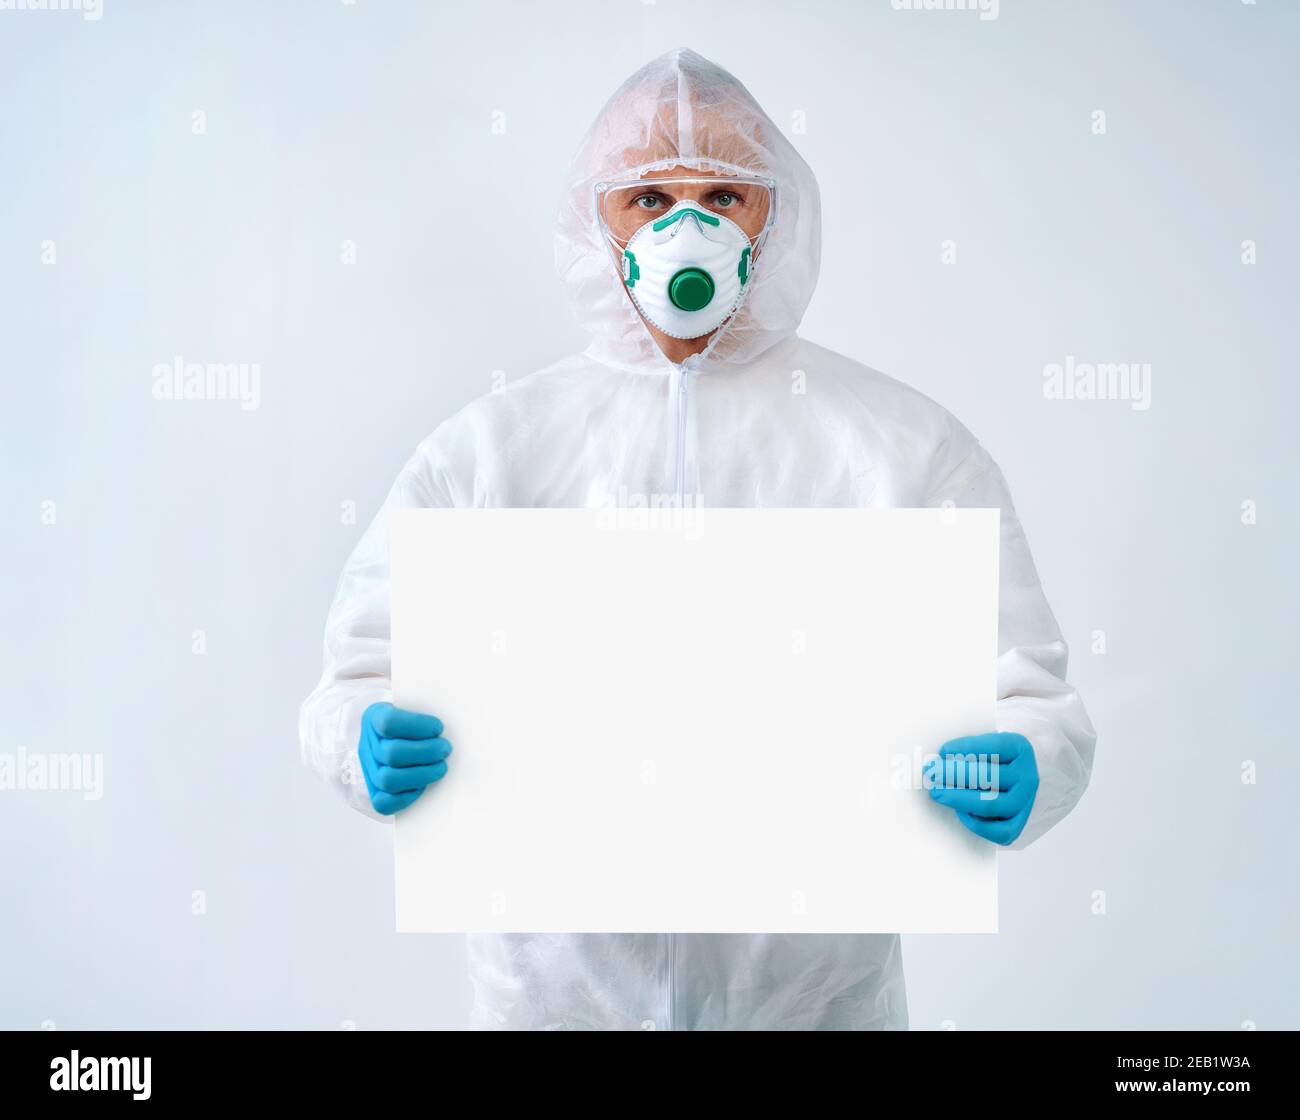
(691, 289)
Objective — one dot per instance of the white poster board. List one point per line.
(693, 721)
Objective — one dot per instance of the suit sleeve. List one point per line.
(1034, 697)
(357, 669)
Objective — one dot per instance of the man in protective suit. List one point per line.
(689, 239)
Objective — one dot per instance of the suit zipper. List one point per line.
(672, 981)
(682, 425)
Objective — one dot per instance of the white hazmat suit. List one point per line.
(618, 422)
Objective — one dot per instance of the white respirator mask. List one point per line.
(690, 265)
(687, 271)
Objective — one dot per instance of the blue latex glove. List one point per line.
(969, 770)
(401, 753)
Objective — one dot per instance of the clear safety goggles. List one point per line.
(624, 207)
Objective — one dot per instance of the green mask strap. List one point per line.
(702, 215)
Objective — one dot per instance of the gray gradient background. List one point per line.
(371, 122)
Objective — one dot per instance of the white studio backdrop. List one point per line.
(357, 199)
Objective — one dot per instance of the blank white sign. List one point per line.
(710, 720)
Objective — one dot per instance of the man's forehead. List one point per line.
(679, 172)
(687, 129)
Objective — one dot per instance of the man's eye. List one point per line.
(724, 199)
(648, 201)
